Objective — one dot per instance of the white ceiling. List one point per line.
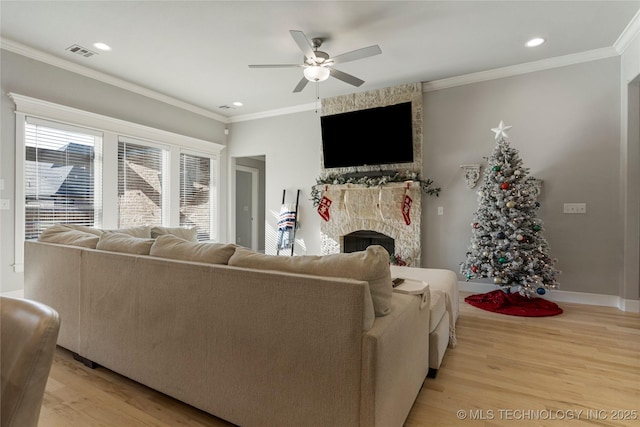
(197, 52)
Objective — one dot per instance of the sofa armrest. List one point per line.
(395, 361)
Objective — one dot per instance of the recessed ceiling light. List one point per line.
(102, 46)
(238, 104)
(535, 42)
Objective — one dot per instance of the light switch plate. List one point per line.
(575, 208)
(4, 204)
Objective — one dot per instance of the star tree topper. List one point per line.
(500, 131)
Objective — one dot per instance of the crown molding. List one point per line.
(29, 52)
(630, 32)
(514, 70)
(273, 113)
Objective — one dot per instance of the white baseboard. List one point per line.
(632, 306)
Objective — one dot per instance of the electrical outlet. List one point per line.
(440, 210)
(4, 204)
(575, 208)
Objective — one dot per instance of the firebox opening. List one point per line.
(361, 239)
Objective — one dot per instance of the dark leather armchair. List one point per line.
(28, 335)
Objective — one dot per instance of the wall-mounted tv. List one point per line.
(374, 136)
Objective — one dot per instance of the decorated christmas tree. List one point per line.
(507, 241)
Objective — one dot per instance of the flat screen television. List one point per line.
(374, 136)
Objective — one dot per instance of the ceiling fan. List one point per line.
(318, 65)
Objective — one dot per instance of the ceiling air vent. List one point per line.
(82, 51)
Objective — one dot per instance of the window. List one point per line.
(60, 179)
(141, 186)
(74, 166)
(196, 187)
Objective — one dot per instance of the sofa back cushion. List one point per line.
(170, 246)
(370, 265)
(64, 235)
(121, 242)
(189, 234)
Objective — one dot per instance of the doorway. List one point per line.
(250, 202)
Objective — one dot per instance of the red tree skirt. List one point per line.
(513, 304)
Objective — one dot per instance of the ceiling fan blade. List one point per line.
(347, 78)
(301, 85)
(365, 52)
(303, 43)
(275, 65)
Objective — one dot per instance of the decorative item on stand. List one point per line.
(287, 224)
(471, 174)
(507, 242)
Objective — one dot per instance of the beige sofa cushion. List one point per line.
(64, 235)
(170, 246)
(189, 234)
(370, 265)
(85, 228)
(142, 231)
(121, 242)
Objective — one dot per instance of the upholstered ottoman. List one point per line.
(443, 285)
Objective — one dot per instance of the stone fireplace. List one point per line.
(377, 214)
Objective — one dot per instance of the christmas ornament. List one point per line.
(502, 260)
(475, 225)
(511, 204)
(519, 237)
(500, 131)
(496, 168)
(504, 185)
(536, 227)
(541, 291)
(501, 235)
(497, 280)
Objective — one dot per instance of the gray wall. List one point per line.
(291, 146)
(32, 78)
(566, 127)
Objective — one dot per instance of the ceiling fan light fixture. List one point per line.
(316, 73)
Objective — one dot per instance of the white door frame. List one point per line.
(254, 203)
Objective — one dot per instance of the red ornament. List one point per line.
(474, 269)
(504, 185)
(476, 225)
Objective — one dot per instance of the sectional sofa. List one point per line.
(255, 339)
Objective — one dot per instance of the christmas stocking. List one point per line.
(323, 208)
(406, 207)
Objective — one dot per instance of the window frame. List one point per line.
(112, 129)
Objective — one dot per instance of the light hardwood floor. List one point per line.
(581, 368)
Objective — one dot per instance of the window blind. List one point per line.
(141, 186)
(60, 175)
(196, 194)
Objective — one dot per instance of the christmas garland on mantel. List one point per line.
(336, 179)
